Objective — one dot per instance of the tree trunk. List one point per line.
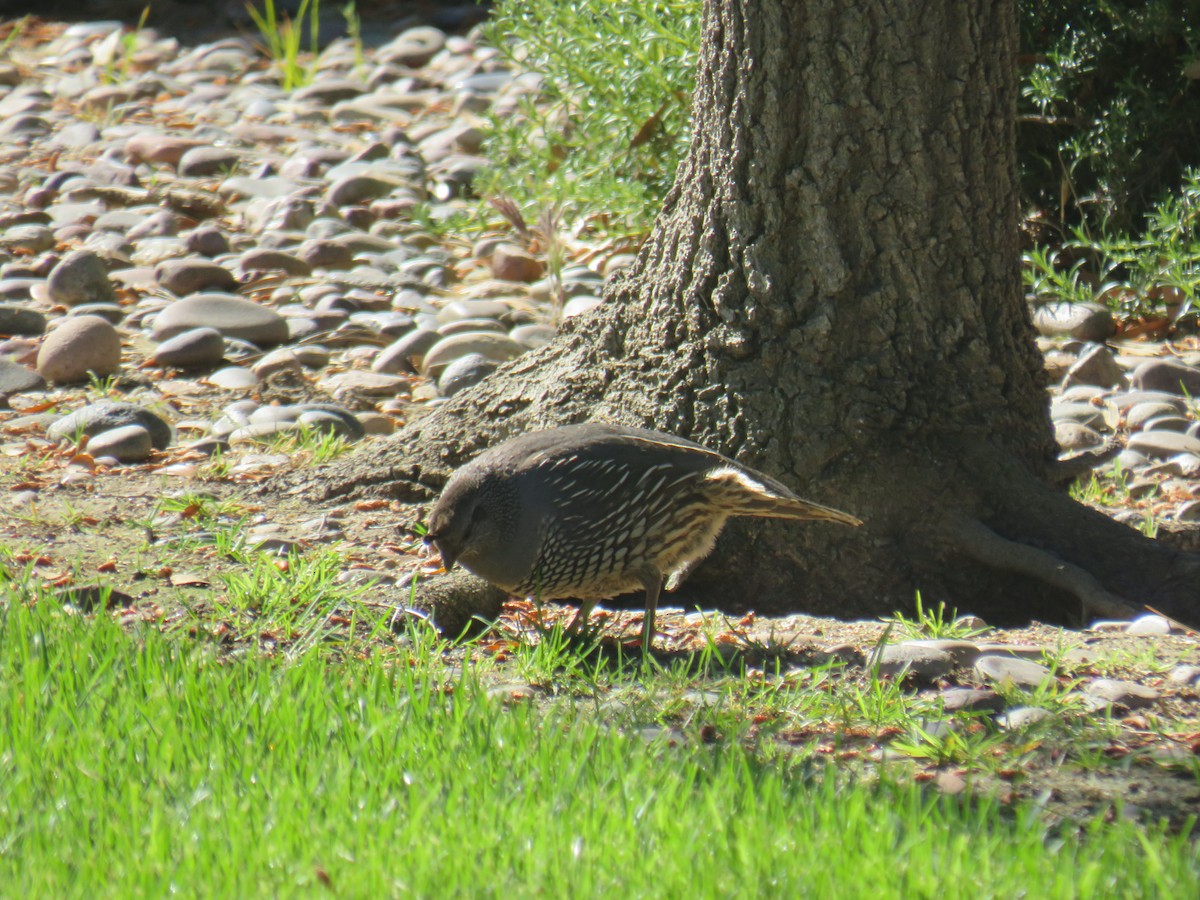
(832, 294)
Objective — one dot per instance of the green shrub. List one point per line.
(611, 125)
(1109, 116)
(1109, 137)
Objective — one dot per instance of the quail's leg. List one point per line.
(652, 579)
(581, 617)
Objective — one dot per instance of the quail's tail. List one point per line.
(743, 493)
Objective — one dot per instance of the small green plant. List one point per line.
(15, 30)
(320, 444)
(119, 65)
(354, 32)
(282, 38)
(105, 387)
(935, 624)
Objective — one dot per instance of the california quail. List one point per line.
(590, 511)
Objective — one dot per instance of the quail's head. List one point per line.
(474, 523)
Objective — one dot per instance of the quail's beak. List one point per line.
(448, 559)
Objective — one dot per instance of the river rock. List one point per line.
(129, 443)
(1167, 375)
(1084, 321)
(198, 348)
(105, 416)
(191, 275)
(80, 277)
(234, 317)
(79, 347)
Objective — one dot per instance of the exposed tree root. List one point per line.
(975, 540)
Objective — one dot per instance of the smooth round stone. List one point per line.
(110, 312)
(210, 445)
(234, 317)
(1022, 717)
(1130, 459)
(406, 354)
(201, 162)
(376, 423)
(1140, 413)
(16, 378)
(1162, 444)
(464, 372)
(191, 275)
(1020, 672)
(368, 384)
(1073, 436)
(95, 418)
(326, 254)
(1128, 694)
(129, 443)
(413, 48)
(79, 347)
(1126, 400)
(577, 306)
(27, 238)
(281, 360)
(464, 325)
(80, 277)
(969, 700)
(233, 378)
(1083, 413)
(1168, 423)
(197, 348)
(1167, 375)
(497, 347)
(355, 189)
(1085, 321)
(532, 336)
(154, 147)
(1185, 675)
(17, 320)
(346, 426)
(923, 661)
(1188, 512)
(207, 240)
(512, 263)
(457, 310)
(263, 260)
(1149, 624)
(1096, 366)
(328, 91)
(163, 223)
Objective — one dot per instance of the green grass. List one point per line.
(137, 763)
(282, 39)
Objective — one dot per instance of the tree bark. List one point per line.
(832, 294)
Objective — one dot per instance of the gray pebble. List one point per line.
(80, 277)
(464, 372)
(191, 275)
(234, 317)
(17, 379)
(407, 354)
(1167, 375)
(18, 320)
(1019, 672)
(1085, 321)
(921, 660)
(1128, 694)
(80, 347)
(1149, 624)
(1021, 717)
(98, 417)
(129, 443)
(198, 348)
